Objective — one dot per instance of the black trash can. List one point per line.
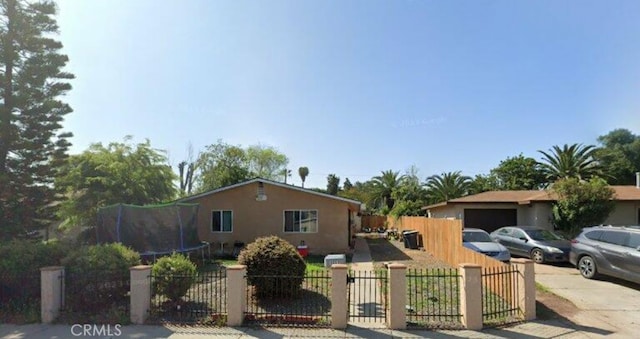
(410, 239)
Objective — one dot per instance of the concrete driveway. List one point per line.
(609, 305)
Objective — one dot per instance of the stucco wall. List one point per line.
(252, 219)
(626, 213)
(535, 215)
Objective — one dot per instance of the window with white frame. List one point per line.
(301, 221)
(221, 221)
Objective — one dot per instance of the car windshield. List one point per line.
(475, 237)
(543, 235)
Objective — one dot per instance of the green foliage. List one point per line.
(519, 173)
(410, 196)
(32, 145)
(118, 173)
(383, 186)
(619, 156)
(303, 172)
(447, 186)
(333, 184)
(222, 165)
(347, 184)
(570, 161)
(174, 275)
(20, 263)
(274, 267)
(98, 275)
(581, 204)
(483, 183)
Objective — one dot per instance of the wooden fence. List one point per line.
(373, 221)
(443, 239)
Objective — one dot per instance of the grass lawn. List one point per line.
(314, 262)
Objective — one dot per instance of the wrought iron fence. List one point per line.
(433, 298)
(500, 295)
(205, 302)
(96, 297)
(20, 297)
(368, 293)
(289, 300)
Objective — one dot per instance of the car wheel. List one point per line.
(587, 267)
(537, 256)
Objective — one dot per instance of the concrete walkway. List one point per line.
(366, 308)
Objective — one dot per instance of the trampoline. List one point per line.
(152, 230)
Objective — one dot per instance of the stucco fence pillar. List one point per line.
(471, 296)
(526, 285)
(51, 292)
(236, 294)
(339, 296)
(140, 293)
(397, 292)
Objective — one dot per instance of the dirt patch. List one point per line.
(551, 306)
(383, 250)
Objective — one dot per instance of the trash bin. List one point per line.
(410, 239)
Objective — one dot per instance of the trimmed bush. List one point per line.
(98, 275)
(274, 267)
(20, 263)
(173, 276)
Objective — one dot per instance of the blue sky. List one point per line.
(354, 87)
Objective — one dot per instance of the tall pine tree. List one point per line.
(32, 145)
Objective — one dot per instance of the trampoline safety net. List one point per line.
(150, 230)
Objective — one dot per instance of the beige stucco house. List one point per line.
(260, 207)
(494, 209)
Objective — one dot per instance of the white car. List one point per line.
(478, 240)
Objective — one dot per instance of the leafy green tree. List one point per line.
(570, 161)
(347, 184)
(360, 192)
(221, 165)
(303, 172)
(519, 173)
(383, 186)
(448, 186)
(266, 162)
(484, 183)
(333, 184)
(32, 146)
(619, 156)
(410, 196)
(118, 173)
(581, 204)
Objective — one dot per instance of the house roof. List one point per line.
(270, 182)
(622, 193)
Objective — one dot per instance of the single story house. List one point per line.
(494, 209)
(260, 207)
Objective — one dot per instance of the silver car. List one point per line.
(480, 241)
(539, 244)
(607, 250)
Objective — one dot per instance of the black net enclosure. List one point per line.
(150, 230)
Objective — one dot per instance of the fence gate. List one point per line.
(368, 296)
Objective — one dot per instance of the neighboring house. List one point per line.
(260, 207)
(494, 209)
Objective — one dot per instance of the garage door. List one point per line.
(490, 219)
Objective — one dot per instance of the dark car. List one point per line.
(607, 250)
(539, 244)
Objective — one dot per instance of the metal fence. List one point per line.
(368, 296)
(500, 295)
(433, 298)
(20, 297)
(96, 297)
(289, 300)
(205, 301)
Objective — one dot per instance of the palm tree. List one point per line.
(570, 161)
(383, 187)
(303, 172)
(448, 186)
(286, 173)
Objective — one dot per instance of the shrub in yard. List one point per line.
(173, 276)
(98, 275)
(20, 263)
(274, 267)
